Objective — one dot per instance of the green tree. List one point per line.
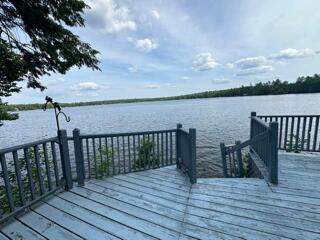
(35, 40)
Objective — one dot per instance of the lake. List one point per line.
(216, 120)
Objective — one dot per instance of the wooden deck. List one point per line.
(161, 204)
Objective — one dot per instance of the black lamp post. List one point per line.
(57, 110)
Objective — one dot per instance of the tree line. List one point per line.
(308, 84)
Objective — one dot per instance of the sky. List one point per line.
(165, 48)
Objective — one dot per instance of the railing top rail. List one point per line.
(27, 145)
(261, 122)
(84, 136)
(257, 138)
(299, 115)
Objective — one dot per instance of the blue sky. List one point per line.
(165, 48)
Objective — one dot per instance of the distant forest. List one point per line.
(309, 84)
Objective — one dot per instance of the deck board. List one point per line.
(162, 204)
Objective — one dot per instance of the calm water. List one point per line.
(216, 120)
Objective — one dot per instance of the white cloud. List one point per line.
(133, 68)
(251, 62)
(152, 86)
(253, 65)
(146, 45)
(292, 53)
(185, 78)
(204, 61)
(110, 16)
(171, 85)
(85, 86)
(155, 14)
(255, 70)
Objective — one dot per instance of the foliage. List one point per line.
(295, 145)
(146, 157)
(309, 84)
(35, 40)
(246, 164)
(5, 115)
(106, 156)
(24, 178)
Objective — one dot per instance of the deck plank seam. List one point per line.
(81, 220)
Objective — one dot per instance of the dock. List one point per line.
(162, 204)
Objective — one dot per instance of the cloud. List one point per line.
(85, 86)
(252, 66)
(146, 45)
(155, 14)
(255, 70)
(133, 69)
(204, 62)
(220, 81)
(110, 16)
(171, 85)
(185, 77)
(292, 53)
(152, 86)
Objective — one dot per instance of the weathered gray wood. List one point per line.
(83, 229)
(78, 150)
(16, 230)
(7, 182)
(3, 237)
(141, 220)
(47, 228)
(65, 159)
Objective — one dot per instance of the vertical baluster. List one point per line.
(47, 165)
(266, 119)
(55, 163)
(29, 173)
(139, 152)
(129, 153)
(149, 150)
(153, 156)
(167, 152)
(316, 128)
(18, 177)
(224, 160)
(309, 133)
(158, 149)
(118, 151)
(280, 132)
(107, 156)
(162, 150)
(7, 182)
(134, 150)
(171, 147)
(297, 135)
(88, 158)
(230, 165)
(101, 158)
(123, 155)
(112, 156)
(286, 133)
(303, 133)
(95, 157)
(38, 167)
(291, 133)
(144, 152)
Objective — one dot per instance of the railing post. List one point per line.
(65, 159)
(239, 158)
(193, 155)
(273, 160)
(78, 151)
(253, 114)
(224, 160)
(178, 146)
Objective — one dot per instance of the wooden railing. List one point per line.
(262, 151)
(99, 155)
(186, 152)
(297, 132)
(30, 172)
